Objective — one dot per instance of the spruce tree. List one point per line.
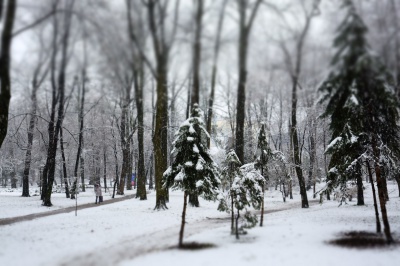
(265, 154)
(360, 99)
(229, 172)
(193, 170)
(245, 191)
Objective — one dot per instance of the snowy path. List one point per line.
(80, 207)
(156, 241)
(130, 232)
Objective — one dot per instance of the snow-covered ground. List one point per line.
(132, 233)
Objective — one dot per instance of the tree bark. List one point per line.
(244, 32)
(5, 59)
(183, 220)
(378, 223)
(79, 156)
(31, 129)
(381, 192)
(141, 173)
(360, 193)
(64, 168)
(60, 116)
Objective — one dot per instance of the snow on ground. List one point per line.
(116, 234)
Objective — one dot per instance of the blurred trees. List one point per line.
(142, 64)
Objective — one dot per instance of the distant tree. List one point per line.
(361, 100)
(193, 170)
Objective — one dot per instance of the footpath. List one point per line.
(11, 220)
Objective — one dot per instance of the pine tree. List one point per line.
(361, 100)
(245, 191)
(229, 173)
(265, 154)
(193, 170)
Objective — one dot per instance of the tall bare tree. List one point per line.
(245, 25)
(214, 72)
(295, 71)
(138, 84)
(58, 92)
(157, 13)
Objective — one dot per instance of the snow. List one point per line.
(333, 143)
(195, 148)
(116, 234)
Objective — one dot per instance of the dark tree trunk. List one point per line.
(105, 168)
(125, 141)
(244, 32)
(79, 156)
(25, 180)
(296, 150)
(5, 59)
(195, 95)
(310, 180)
(183, 220)
(160, 138)
(64, 168)
(397, 178)
(360, 192)
(116, 167)
(381, 192)
(237, 224)
(378, 223)
(141, 171)
(60, 116)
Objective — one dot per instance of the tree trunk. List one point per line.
(79, 156)
(215, 69)
(5, 59)
(64, 168)
(105, 169)
(195, 95)
(381, 192)
(183, 220)
(378, 223)
(31, 129)
(296, 148)
(160, 138)
(397, 178)
(125, 142)
(262, 205)
(60, 116)
(140, 175)
(237, 224)
(360, 192)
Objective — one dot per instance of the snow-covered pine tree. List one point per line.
(244, 191)
(247, 192)
(264, 155)
(193, 170)
(360, 96)
(229, 172)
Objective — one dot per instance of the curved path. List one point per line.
(11, 220)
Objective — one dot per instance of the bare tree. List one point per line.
(157, 12)
(58, 91)
(217, 46)
(294, 71)
(245, 26)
